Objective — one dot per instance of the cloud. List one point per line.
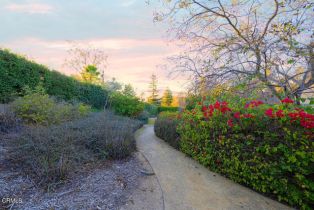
(31, 8)
(128, 3)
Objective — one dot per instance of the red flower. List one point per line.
(269, 112)
(255, 103)
(225, 109)
(248, 116)
(237, 115)
(230, 123)
(293, 116)
(280, 114)
(211, 108)
(217, 105)
(287, 101)
(204, 108)
(224, 103)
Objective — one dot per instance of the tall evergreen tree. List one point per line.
(128, 90)
(167, 97)
(153, 98)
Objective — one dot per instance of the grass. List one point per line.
(151, 121)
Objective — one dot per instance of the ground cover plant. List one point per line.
(269, 148)
(8, 121)
(58, 138)
(49, 154)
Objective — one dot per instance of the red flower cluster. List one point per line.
(230, 123)
(306, 119)
(269, 112)
(279, 114)
(287, 101)
(238, 115)
(253, 104)
(220, 106)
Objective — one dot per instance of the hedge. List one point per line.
(16, 72)
(167, 109)
(165, 128)
(268, 148)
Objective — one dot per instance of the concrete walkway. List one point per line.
(186, 185)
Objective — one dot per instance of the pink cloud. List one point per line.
(31, 8)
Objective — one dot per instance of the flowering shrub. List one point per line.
(268, 148)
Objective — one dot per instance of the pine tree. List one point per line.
(128, 90)
(167, 98)
(153, 98)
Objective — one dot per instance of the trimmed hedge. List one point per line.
(151, 109)
(167, 109)
(268, 148)
(16, 72)
(165, 128)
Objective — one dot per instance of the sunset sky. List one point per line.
(136, 46)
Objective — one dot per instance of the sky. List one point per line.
(43, 29)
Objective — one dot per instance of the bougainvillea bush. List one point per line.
(269, 148)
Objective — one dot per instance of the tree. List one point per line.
(113, 85)
(90, 74)
(80, 58)
(153, 98)
(167, 98)
(270, 41)
(128, 90)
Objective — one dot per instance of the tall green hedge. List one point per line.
(269, 148)
(16, 72)
(167, 109)
(165, 128)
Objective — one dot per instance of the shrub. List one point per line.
(17, 72)
(36, 107)
(48, 154)
(165, 128)
(143, 117)
(167, 109)
(151, 109)
(8, 121)
(268, 148)
(124, 105)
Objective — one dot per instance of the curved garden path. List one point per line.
(186, 185)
